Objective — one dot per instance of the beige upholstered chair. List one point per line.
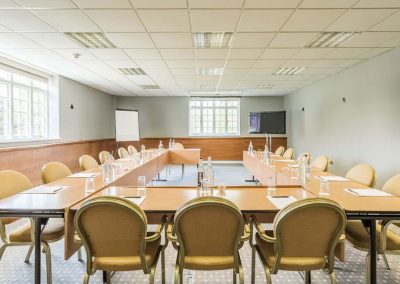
(87, 162)
(289, 153)
(202, 242)
(179, 146)
(321, 163)
(304, 238)
(103, 156)
(129, 247)
(305, 156)
(132, 150)
(12, 182)
(123, 153)
(280, 150)
(53, 171)
(387, 240)
(362, 173)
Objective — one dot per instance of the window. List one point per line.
(214, 117)
(23, 105)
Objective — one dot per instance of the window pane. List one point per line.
(21, 80)
(4, 110)
(20, 112)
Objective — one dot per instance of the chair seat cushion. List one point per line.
(54, 230)
(126, 263)
(209, 262)
(358, 235)
(288, 263)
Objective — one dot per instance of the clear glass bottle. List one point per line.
(209, 173)
(170, 144)
(173, 143)
(266, 155)
(304, 171)
(160, 147)
(200, 174)
(250, 149)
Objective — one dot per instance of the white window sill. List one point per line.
(27, 142)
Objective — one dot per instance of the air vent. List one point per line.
(150, 87)
(332, 39)
(132, 71)
(289, 70)
(212, 40)
(265, 86)
(210, 71)
(91, 40)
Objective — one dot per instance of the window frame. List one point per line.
(214, 134)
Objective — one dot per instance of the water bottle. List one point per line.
(170, 144)
(250, 149)
(200, 174)
(305, 171)
(266, 155)
(173, 143)
(106, 172)
(209, 174)
(160, 147)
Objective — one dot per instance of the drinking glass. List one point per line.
(324, 187)
(89, 185)
(272, 181)
(142, 186)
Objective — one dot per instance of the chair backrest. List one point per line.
(309, 228)
(87, 162)
(305, 156)
(53, 171)
(179, 146)
(322, 163)
(197, 226)
(280, 150)
(103, 156)
(12, 182)
(289, 153)
(122, 153)
(112, 227)
(132, 149)
(392, 185)
(362, 173)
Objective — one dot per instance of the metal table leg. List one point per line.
(372, 264)
(37, 223)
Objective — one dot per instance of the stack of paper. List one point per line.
(45, 189)
(84, 175)
(367, 192)
(281, 201)
(137, 200)
(331, 178)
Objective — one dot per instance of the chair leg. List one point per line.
(176, 274)
(86, 278)
(183, 170)
(307, 277)
(108, 277)
(332, 276)
(28, 255)
(367, 272)
(234, 276)
(46, 249)
(163, 266)
(152, 274)
(253, 265)
(80, 255)
(241, 275)
(268, 275)
(385, 261)
(2, 249)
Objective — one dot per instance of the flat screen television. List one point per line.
(267, 122)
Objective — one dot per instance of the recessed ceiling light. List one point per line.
(132, 71)
(91, 40)
(332, 39)
(149, 87)
(289, 70)
(214, 93)
(212, 40)
(210, 71)
(265, 86)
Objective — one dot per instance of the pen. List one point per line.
(355, 192)
(132, 196)
(282, 196)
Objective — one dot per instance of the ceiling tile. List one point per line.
(213, 53)
(298, 63)
(207, 4)
(271, 4)
(22, 20)
(34, 54)
(69, 53)
(122, 20)
(67, 20)
(131, 40)
(261, 64)
(180, 63)
(121, 63)
(4, 29)
(359, 19)
(373, 52)
(323, 63)
(395, 42)
(349, 63)
(346, 53)
(165, 20)
(172, 40)
(251, 40)
(214, 20)
(327, 3)
(262, 20)
(377, 4)
(154, 4)
(245, 53)
(11, 40)
(370, 39)
(292, 39)
(47, 4)
(109, 53)
(51, 40)
(152, 64)
(278, 53)
(145, 53)
(7, 4)
(210, 63)
(142, 80)
(114, 4)
(392, 23)
(312, 20)
(262, 71)
(183, 71)
(233, 63)
(323, 71)
(312, 53)
(180, 53)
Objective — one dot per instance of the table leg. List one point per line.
(38, 229)
(372, 264)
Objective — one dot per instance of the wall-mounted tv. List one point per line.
(267, 122)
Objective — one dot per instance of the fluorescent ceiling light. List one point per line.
(289, 70)
(212, 40)
(332, 39)
(210, 71)
(265, 86)
(132, 71)
(149, 87)
(91, 40)
(215, 93)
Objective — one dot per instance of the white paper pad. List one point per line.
(284, 160)
(281, 202)
(331, 178)
(45, 189)
(367, 192)
(84, 175)
(136, 200)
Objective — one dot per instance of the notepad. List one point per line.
(281, 201)
(137, 200)
(331, 178)
(284, 160)
(367, 192)
(84, 175)
(45, 189)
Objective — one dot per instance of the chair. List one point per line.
(280, 150)
(87, 162)
(11, 183)
(289, 153)
(304, 238)
(387, 240)
(179, 146)
(132, 150)
(103, 155)
(123, 153)
(304, 157)
(201, 241)
(321, 163)
(362, 173)
(53, 171)
(128, 247)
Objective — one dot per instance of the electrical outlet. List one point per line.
(331, 162)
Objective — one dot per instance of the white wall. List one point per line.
(169, 116)
(364, 130)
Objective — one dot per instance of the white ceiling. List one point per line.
(156, 35)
